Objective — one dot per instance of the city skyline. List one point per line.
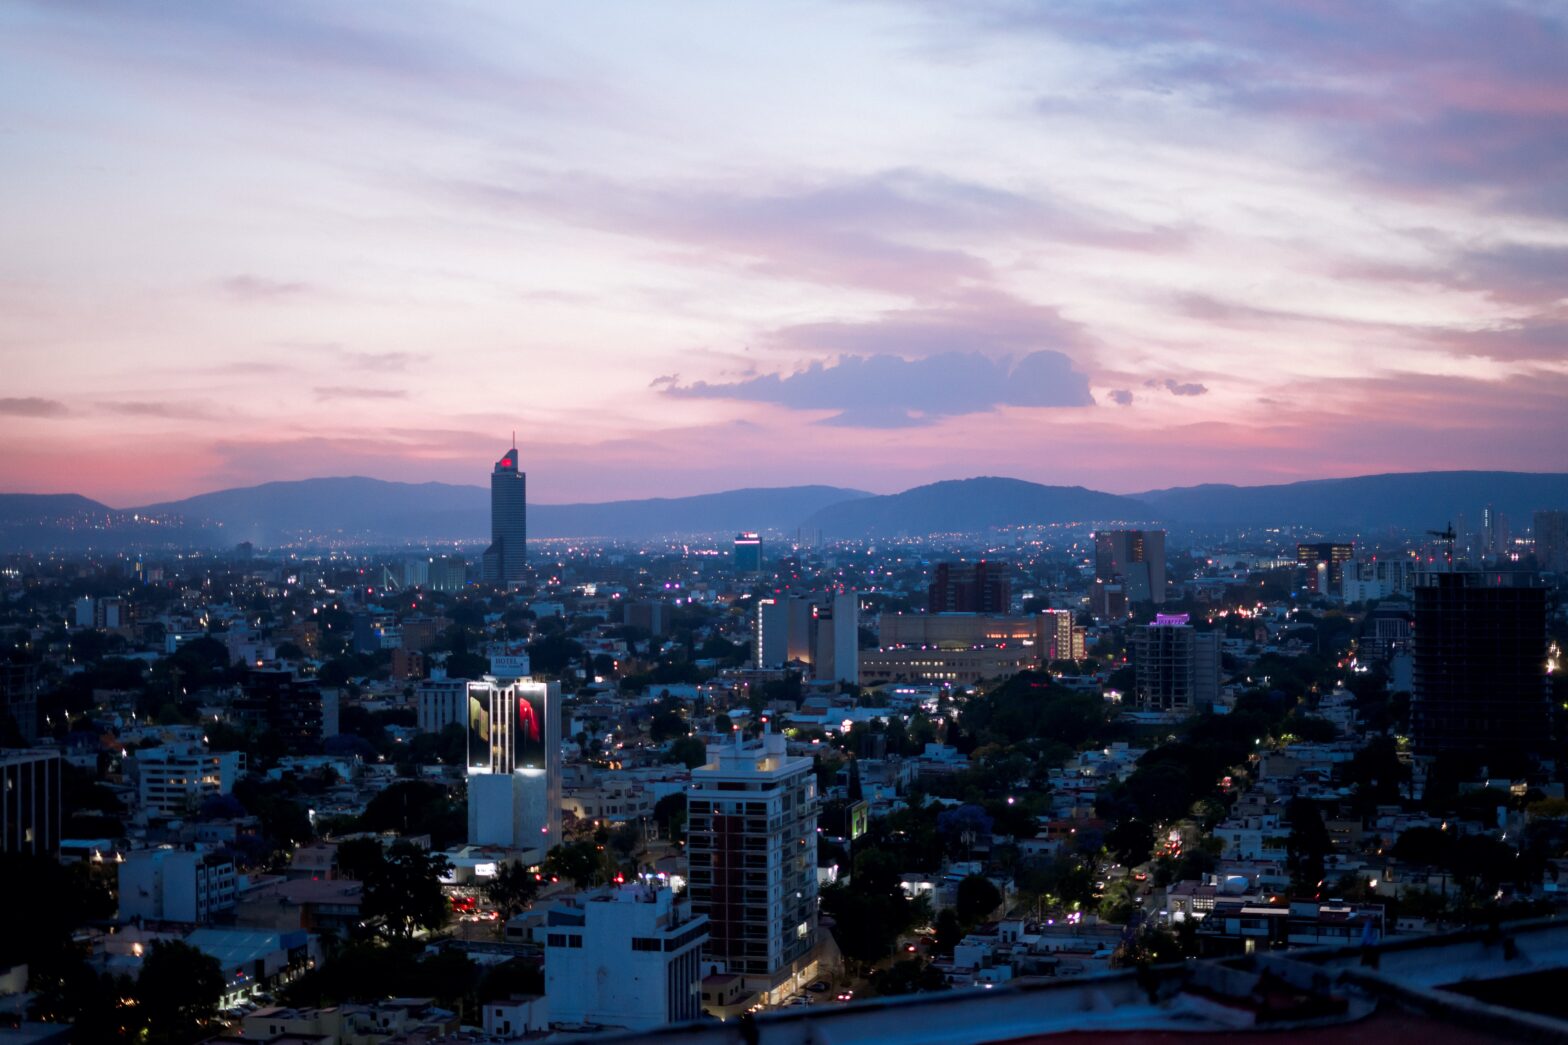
(691, 250)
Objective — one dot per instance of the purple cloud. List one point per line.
(32, 406)
(884, 391)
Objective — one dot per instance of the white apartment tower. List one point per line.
(752, 846)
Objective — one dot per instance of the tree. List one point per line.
(178, 992)
(359, 858)
(977, 897)
(670, 814)
(580, 862)
(512, 890)
(1131, 841)
(948, 931)
(870, 911)
(1306, 847)
(910, 976)
(404, 892)
(689, 751)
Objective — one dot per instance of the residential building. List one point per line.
(1551, 540)
(439, 703)
(174, 779)
(1480, 648)
(175, 885)
(1177, 667)
(752, 847)
(648, 940)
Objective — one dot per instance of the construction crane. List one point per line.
(1448, 537)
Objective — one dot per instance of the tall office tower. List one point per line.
(447, 573)
(1551, 540)
(748, 553)
(1136, 559)
(624, 956)
(835, 640)
(770, 634)
(801, 623)
(752, 849)
(30, 802)
(981, 587)
(1176, 667)
(1480, 648)
(1327, 554)
(506, 559)
(514, 764)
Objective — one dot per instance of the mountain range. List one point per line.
(357, 510)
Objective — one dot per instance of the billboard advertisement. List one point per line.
(530, 736)
(478, 727)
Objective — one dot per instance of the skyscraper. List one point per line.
(506, 558)
(748, 553)
(1136, 559)
(1480, 664)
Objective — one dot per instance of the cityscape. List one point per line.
(1047, 523)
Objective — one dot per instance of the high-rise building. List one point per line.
(752, 847)
(505, 561)
(835, 640)
(292, 708)
(980, 587)
(1551, 540)
(1057, 631)
(624, 956)
(19, 697)
(770, 633)
(1133, 558)
(514, 764)
(748, 553)
(30, 802)
(1480, 648)
(1332, 558)
(447, 573)
(1176, 667)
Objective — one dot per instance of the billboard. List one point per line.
(479, 698)
(530, 747)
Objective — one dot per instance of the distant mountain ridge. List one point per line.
(1400, 500)
(359, 510)
(973, 505)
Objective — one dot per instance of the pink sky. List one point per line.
(683, 248)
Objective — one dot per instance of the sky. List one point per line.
(685, 247)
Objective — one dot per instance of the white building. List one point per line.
(514, 764)
(441, 703)
(752, 846)
(629, 957)
(175, 885)
(836, 640)
(175, 778)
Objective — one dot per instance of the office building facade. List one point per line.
(175, 779)
(30, 804)
(752, 847)
(506, 559)
(748, 553)
(979, 587)
(1133, 559)
(1550, 530)
(1325, 564)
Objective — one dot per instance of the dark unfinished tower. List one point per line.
(506, 558)
(1480, 685)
